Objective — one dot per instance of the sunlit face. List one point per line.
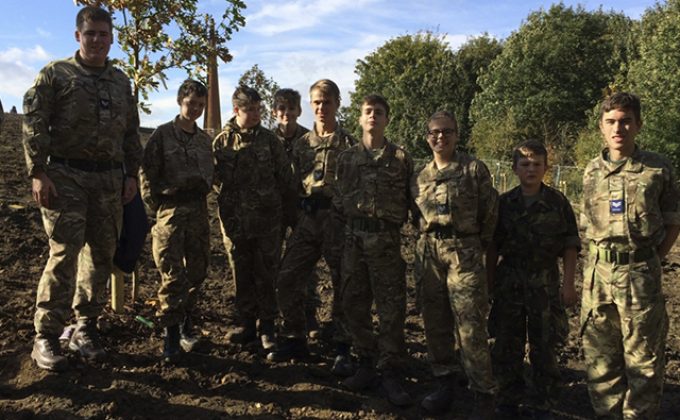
(191, 107)
(324, 106)
(373, 118)
(619, 128)
(286, 114)
(530, 170)
(442, 136)
(95, 39)
(249, 116)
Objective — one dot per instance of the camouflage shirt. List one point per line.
(538, 233)
(460, 196)
(627, 204)
(175, 163)
(252, 174)
(315, 158)
(374, 186)
(76, 112)
(289, 141)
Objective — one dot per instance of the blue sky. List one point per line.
(295, 42)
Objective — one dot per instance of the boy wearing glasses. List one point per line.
(253, 174)
(536, 226)
(458, 209)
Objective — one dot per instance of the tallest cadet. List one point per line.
(83, 153)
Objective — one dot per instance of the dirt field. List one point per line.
(218, 380)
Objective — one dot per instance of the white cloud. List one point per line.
(17, 72)
(14, 54)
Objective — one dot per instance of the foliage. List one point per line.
(549, 74)
(655, 76)
(145, 29)
(266, 87)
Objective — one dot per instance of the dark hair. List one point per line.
(244, 96)
(374, 99)
(623, 101)
(289, 97)
(327, 87)
(443, 115)
(190, 86)
(93, 14)
(529, 148)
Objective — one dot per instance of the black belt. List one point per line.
(442, 232)
(87, 165)
(612, 256)
(371, 225)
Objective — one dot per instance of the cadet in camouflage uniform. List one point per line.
(373, 199)
(286, 110)
(458, 209)
(82, 151)
(536, 225)
(253, 174)
(317, 233)
(177, 174)
(632, 218)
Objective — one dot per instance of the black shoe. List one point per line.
(47, 353)
(171, 344)
(85, 340)
(392, 384)
(243, 334)
(364, 378)
(342, 365)
(187, 336)
(289, 349)
(439, 401)
(267, 334)
(313, 328)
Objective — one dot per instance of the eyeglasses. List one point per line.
(447, 132)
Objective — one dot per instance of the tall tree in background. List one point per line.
(655, 76)
(266, 87)
(144, 29)
(550, 73)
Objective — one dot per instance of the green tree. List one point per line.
(266, 87)
(416, 74)
(551, 72)
(655, 76)
(144, 29)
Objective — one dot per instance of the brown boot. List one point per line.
(47, 353)
(484, 407)
(392, 384)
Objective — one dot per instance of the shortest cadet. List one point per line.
(373, 199)
(536, 226)
(176, 176)
(253, 175)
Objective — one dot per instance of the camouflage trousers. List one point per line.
(624, 326)
(313, 301)
(181, 250)
(527, 304)
(374, 271)
(455, 302)
(82, 225)
(254, 262)
(315, 235)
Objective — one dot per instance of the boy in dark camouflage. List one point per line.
(536, 226)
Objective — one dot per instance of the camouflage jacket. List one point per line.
(176, 163)
(252, 173)
(315, 158)
(537, 234)
(288, 142)
(374, 186)
(75, 113)
(460, 196)
(627, 204)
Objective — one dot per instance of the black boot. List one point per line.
(187, 337)
(439, 401)
(85, 340)
(267, 334)
(392, 384)
(243, 334)
(47, 353)
(342, 365)
(484, 408)
(289, 348)
(171, 349)
(365, 377)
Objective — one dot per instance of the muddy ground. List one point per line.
(219, 380)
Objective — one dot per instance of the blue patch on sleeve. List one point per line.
(616, 206)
